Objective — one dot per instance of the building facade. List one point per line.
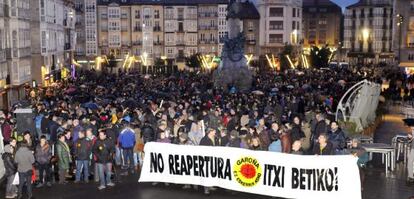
(52, 31)
(368, 31)
(165, 29)
(321, 23)
(280, 24)
(403, 43)
(18, 42)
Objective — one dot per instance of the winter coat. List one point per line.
(338, 139)
(83, 149)
(148, 133)
(320, 128)
(275, 146)
(24, 159)
(126, 138)
(103, 151)
(296, 133)
(76, 131)
(53, 130)
(328, 150)
(9, 164)
(264, 139)
(306, 142)
(43, 154)
(63, 153)
(286, 143)
(206, 141)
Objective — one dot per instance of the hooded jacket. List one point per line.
(24, 159)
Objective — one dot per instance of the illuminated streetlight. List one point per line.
(365, 34)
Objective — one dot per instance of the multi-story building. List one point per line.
(368, 31)
(4, 72)
(280, 24)
(250, 18)
(403, 32)
(52, 31)
(86, 30)
(222, 26)
(321, 23)
(208, 29)
(18, 52)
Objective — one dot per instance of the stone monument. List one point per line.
(233, 70)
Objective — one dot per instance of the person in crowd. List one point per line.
(196, 133)
(24, 159)
(209, 140)
(256, 145)
(43, 156)
(306, 142)
(83, 151)
(323, 146)
(276, 144)
(10, 171)
(76, 129)
(27, 137)
(337, 137)
(319, 127)
(64, 158)
(363, 157)
(104, 150)
(126, 141)
(296, 132)
(297, 148)
(410, 161)
(285, 139)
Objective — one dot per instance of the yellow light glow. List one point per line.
(249, 58)
(125, 61)
(273, 62)
(290, 61)
(365, 34)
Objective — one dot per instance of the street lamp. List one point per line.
(365, 34)
(400, 20)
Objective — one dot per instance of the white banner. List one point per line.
(257, 172)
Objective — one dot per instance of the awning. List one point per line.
(407, 64)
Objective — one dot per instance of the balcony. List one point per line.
(65, 22)
(251, 42)
(213, 41)
(104, 43)
(104, 16)
(202, 41)
(158, 43)
(180, 18)
(137, 29)
(124, 16)
(207, 27)
(137, 43)
(207, 14)
(157, 28)
(180, 43)
(67, 46)
(126, 43)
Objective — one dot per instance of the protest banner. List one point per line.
(257, 172)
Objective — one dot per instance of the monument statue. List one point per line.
(233, 70)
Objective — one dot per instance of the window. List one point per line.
(293, 12)
(276, 38)
(156, 14)
(43, 41)
(276, 12)
(276, 25)
(137, 14)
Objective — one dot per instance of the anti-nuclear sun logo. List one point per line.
(247, 171)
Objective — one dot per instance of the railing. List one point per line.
(137, 29)
(208, 14)
(180, 43)
(137, 43)
(158, 43)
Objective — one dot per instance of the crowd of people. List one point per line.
(87, 126)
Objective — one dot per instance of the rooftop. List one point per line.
(161, 2)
